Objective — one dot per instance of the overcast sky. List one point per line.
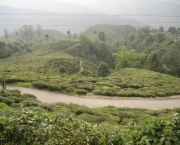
(38, 3)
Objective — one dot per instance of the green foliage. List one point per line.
(29, 127)
(6, 34)
(102, 36)
(62, 70)
(161, 29)
(128, 58)
(103, 70)
(4, 106)
(3, 50)
(81, 91)
(165, 60)
(92, 52)
(172, 30)
(29, 96)
(14, 97)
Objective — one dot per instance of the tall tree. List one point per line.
(144, 32)
(3, 50)
(103, 70)
(47, 37)
(22, 33)
(39, 31)
(6, 34)
(178, 31)
(160, 37)
(69, 34)
(75, 36)
(16, 33)
(28, 32)
(128, 58)
(161, 29)
(172, 30)
(102, 36)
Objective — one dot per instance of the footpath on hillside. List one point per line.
(81, 68)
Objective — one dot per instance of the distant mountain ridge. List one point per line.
(17, 17)
(141, 10)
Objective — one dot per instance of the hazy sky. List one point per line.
(38, 3)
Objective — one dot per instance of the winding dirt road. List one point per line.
(51, 97)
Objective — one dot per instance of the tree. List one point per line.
(102, 36)
(22, 33)
(171, 62)
(128, 58)
(62, 70)
(39, 31)
(172, 30)
(161, 29)
(103, 70)
(6, 34)
(69, 34)
(28, 32)
(144, 32)
(3, 50)
(178, 31)
(160, 37)
(16, 33)
(47, 37)
(150, 39)
(75, 36)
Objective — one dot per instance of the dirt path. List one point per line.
(81, 68)
(51, 97)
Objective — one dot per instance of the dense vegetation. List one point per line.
(157, 50)
(109, 61)
(27, 121)
(98, 66)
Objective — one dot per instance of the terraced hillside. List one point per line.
(62, 66)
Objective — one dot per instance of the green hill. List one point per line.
(53, 34)
(60, 66)
(46, 60)
(111, 31)
(42, 71)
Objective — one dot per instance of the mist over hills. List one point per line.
(150, 12)
(13, 18)
(64, 16)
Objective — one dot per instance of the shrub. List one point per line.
(62, 70)
(6, 100)
(30, 104)
(103, 70)
(81, 91)
(29, 96)
(47, 107)
(4, 106)
(15, 91)
(16, 99)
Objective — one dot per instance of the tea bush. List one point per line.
(28, 127)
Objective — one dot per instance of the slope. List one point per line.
(111, 31)
(53, 34)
